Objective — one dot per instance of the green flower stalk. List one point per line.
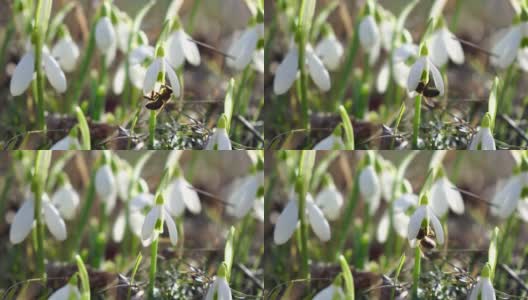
(42, 17)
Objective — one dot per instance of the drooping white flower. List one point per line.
(400, 58)
(137, 70)
(245, 194)
(424, 212)
(509, 47)
(25, 70)
(370, 188)
(106, 188)
(67, 143)
(243, 50)
(401, 208)
(219, 140)
(483, 289)
(330, 50)
(331, 142)
(330, 200)
(370, 37)
(424, 66)
(219, 290)
(445, 195)
(180, 195)
(137, 205)
(25, 217)
(288, 219)
(105, 36)
(153, 224)
(286, 72)
(443, 45)
(160, 65)
(180, 48)
(507, 199)
(331, 292)
(66, 200)
(483, 139)
(66, 52)
(67, 292)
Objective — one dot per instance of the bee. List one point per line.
(158, 99)
(426, 239)
(428, 90)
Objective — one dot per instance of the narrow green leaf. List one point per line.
(134, 271)
(229, 252)
(349, 279)
(436, 159)
(492, 104)
(306, 165)
(85, 281)
(493, 251)
(402, 18)
(349, 129)
(173, 10)
(42, 164)
(58, 20)
(85, 130)
(141, 14)
(228, 103)
(306, 14)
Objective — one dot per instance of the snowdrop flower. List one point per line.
(180, 48)
(180, 195)
(67, 292)
(25, 217)
(400, 66)
(243, 50)
(370, 188)
(445, 195)
(219, 289)
(330, 200)
(330, 50)
(421, 72)
(400, 217)
(370, 37)
(67, 143)
(160, 65)
(483, 289)
(421, 214)
(511, 195)
(153, 224)
(136, 60)
(219, 140)
(331, 292)
(483, 139)
(105, 186)
(287, 71)
(25, 70)
(444, 46)
(105, 36)
(66, 200)
(136, 217)
(288, 219)
(244, 195)
(510, 47)
(66, 52)
(332, 142)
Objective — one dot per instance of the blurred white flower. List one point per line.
(444, 46)
(245, 194)
(401, 208)
(180, 195)
(67, 292)
(105, 36)
(25, 70)
(67, 143)
(180, 47)
(137, 205)
(510, 196)
(288, 219)
(219, 140)
(370, 37)
(330, 200)
(445, 195)
(424, 65)
(370, 188)
(331, 142)
(424, 212)
(330, 50)
(160, 64)
(66, 52)
(106, 187)
(482, 140)
(243, 50)
(331, 292)
(483, 289)
(400, 58)
(66, 200)
(153, 225)
(509, 47)
(136, 59)
(286, 72)
(219, 290)
(25, 217)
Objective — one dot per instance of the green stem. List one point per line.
(7, 37)
(304, 230)
(363, 101)
(99, 106)
(347, 218)
(152, 128)
(41, 122)
(85, 214)
(83, 71)
(417, 119)
(416, 272)
(194, 10)
(303, 91)
(39, 230)
(153, 265)
(342, 85)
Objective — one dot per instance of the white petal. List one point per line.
(286, 223)
(213, 287)
(383, 78)
(22, 222)
(415, 222)
(139, 54)
(488, 292)
(330, 51)
(244, 196)
(369, 34)
(370, 188)
(437, 49)
(454, 198)
(505, 201)
(104, 34)
(402, 53)
(331, 142)
(437, 226)
(189, 48)
(151, 76)
(66, 199)
(506, 49)
(224, 291)
(141, 201)
(522, 59)
(119, 228)
(66, 52)
(67, 292)
(330, 293)
(317, 71)
(54, 221)
(438, 201)
(330, 201)
(54, 73)
(487, 140)
(475, 291)
(137, 75)
(173, 79)
(23, 74)
(453, 46)
(318, 222)
(119, 79)
(147, 231)
(415, 74)
(105, 184)
(242, 49)
(286, 72)
(437, 77)
(181, 193)
(136, 220)
(401, 224)
(66, 143)
(523, 209)
(173, 232)
(174, 51)
(219, 140)
(383, 228)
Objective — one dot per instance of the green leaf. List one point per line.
(42, 164)
(228, 103)
(492, 103)
(173, 10)
(321, 18)
(58, 20)
(140, 15)
(349, 130)
(229, 252)
(306, 164)
(402, 18)
(85, 281)
(436, 159)
(349, 279)
(306, 14)
(85, 130)
(493, 251)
